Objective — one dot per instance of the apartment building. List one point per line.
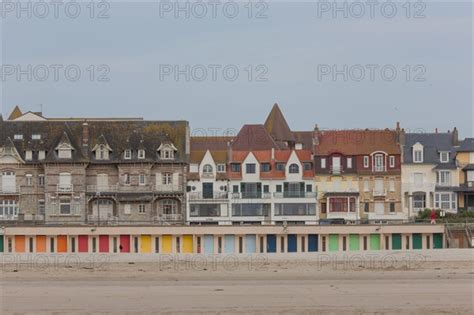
(358, 174)
(92, 170)
(430, 173)
(465, 160)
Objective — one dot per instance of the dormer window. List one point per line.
(444, 157)
(366, 162)
(41, 155)
(294, 169)
(221, 168)
(418, 156)
(207, 169)
(166, 151)
(29, 155)
(379, 165)
(127, 154)
(102, 153)
(141, 154)
(18, 137)
(36, 136)
(64, 151)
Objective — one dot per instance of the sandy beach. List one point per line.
(245, 286)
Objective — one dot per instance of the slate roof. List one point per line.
(467, 145)
(254, 137)
(119, 135)
(277, 126)
(356, 142)
(432, 143)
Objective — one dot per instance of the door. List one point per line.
(19, 243)
(292, 247)
(208, 244)
(8, 182)
(188, 244)
(417, 242)
(313, 243)
(354, 242)
(125, 243)
(83, 243)
(229, 244)
(41, 243)
(437, 240)
(271, 243)
(250, 244)
(207, 190)
(145, 244)
(333, 242)
(102, 182)
(62, 244)
(167, 244)
(374, 241)
(396, 241)
(1, 243)
(103, 243)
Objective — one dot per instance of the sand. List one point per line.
(242, 286)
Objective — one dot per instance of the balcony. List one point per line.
(251, 195)
(168, 188)
(216, 195)
(10, 190)
(336, 170)
(379, 192)
(295, 194)
(170, 217)
(65, 188)
(103, 188)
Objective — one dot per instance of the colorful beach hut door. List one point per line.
(417, 242)
(313, 243)
(396, 241)
(437, 240)
(1, 243)
(271, 243)
(251, 244)
(292, 243)
(208, 244)
(229, 244)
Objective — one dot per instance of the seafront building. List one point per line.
(465, 160)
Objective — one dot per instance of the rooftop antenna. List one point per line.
(41, 108)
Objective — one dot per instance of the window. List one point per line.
(280, 167)
(126, 179)
(168, 154)
(366, 207)
(142, 179)
(379, 163)
(418, 156)
(445, 201)
(392, 207)
(444, 178)
(8, 208)
(419, 201)
(29, 155)
(102, 153)
(221, 168)
(41, 155)
(169, 206)
(141, 154)
(294, 169)
(64, 206)
(470, 176)
(127, 155)
(235, 167)
(308, 166)
(64, 152)
(35, 136)
(141, 208)
(65, 181)
(127, 208)
(418, 179)
(444, 157)
(167, 179)
(250, 168)
(366, 161)
(18, 137)
(235, 189)
(278, 188)
(41, 180)
(207, 169)
(41, 207)
(349, 162)
(29, 180)
(266, 188)
(323, 162)
(265, 167)
(392, 161)
(309, 188)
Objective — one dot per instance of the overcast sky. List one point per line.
(221, 69)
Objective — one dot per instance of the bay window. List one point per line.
(445, 201)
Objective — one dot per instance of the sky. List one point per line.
(327, 63)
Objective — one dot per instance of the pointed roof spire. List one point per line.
(16, 112)
(277, 126)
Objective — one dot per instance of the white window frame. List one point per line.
(63, 203)
(18, 137)
(418, 156)
(349, 162)
(379, 167)
(141, 154)
(141, 208)
(29, 179)
(29, 155)
(208, 169)
(221, 168)
(102, 153)
(446, 153)
(366, 161)
(127, 179)
(470, 176)
(127, 154)
(41, 155)
(323, 162)
(127, 208)
(36, 136)
(142, 179)
(41, 180)
(167, 179)
(444, 178)
(451, 201)
(392, 161)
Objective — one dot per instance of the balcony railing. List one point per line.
(207, 175)
(336, 170)
(251, 195)
(103, 188)
(379, 192)
(134, 188)
(9, 190)
(65, 188)
(216, 195)
(168, 188)
(170, 217)
(295, 194)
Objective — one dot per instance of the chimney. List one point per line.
(400, 138)
(229, 151)
(85, 135)
(398, 126)
(436, 130)
(455, 136)
(273, 154)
